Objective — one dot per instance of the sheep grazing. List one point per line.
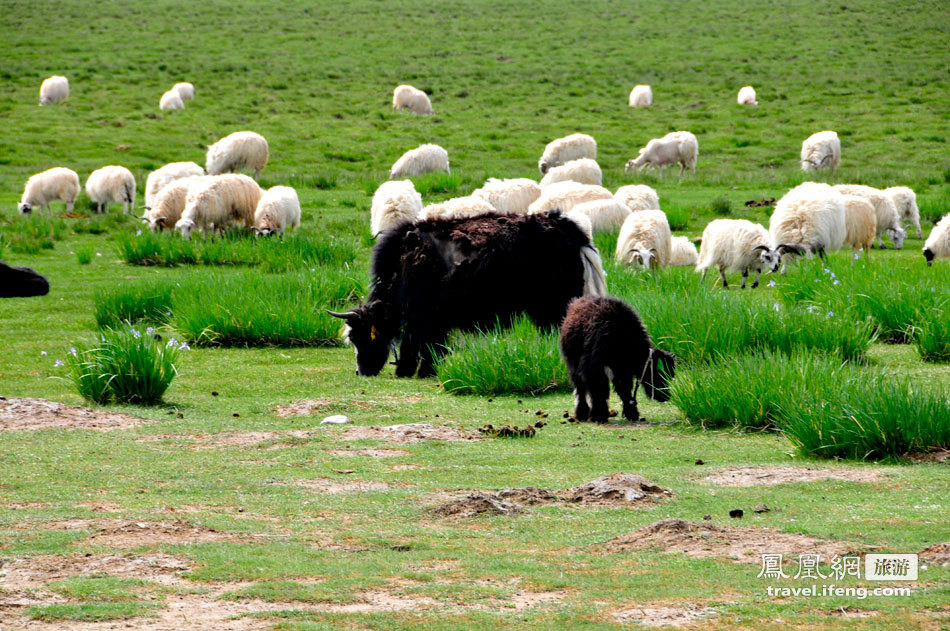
(739, 245)
(683, 252)
(641, 96)
(406, 97)
(906, 202)
(277, 210)
(394, 202)
(161, 177)
(812, 216)
(821, 151)
(638, 197)
(582, 171)
(561, 150)
(676, 147)
(422, 159)
(564, 196)
(168, 205)
(606, 215)
(603, 338)
(111, 185)
(171, 100)
(218, 202)
(937, 245)
(185, 90)
(860, 223)
(511, 196)
(458, 208)
(888, 219)
(54, 90)
(240, 150)
(57, 184)
(645, 240)
(747, 96)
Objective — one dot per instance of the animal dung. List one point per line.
(336, 419)
(761, 508)
(510, 431)
(736, 513)
(760, 203)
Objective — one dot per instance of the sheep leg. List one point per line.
(623, 384)
(755, 283)
(745, 277)
(880, 243)
(69, 206)
(599, 394)
(722, 275)
(581, 409)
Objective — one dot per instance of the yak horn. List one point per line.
(337, 314)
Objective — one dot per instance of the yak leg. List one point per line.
(431, 352)
(581, 408)
(623, 384)
(599, 388)
(408, 355)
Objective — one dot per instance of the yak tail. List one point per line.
(595, 281)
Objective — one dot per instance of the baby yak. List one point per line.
(603, 340)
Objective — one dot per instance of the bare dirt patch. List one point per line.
(941, 456)
(369, 453)
(851, 612)
(33, 414)
(937, 553)
(476, 503)
(528, 495)
(326, 485)
(525, 600)
(34, 572)
(302, 408)
(406, 467)
(664, 616)
(616, 488)
(410, 433)
(744, 545)
(225, 440)
(768, 476)
(122, 533)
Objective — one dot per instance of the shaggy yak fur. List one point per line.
(603, 339)
(21, 282)
(437, 275)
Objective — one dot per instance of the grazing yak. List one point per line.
(440, 274)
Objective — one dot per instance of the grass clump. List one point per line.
(519, 359)
(89, 612)
(931, 335)
(436, 183)
(125, 365)
(84, 254)
(720, 206)
(30, 235)
(149, 301)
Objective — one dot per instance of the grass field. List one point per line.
(223, 510)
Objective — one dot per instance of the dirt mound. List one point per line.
(33, 414)
(746, 545)
(326, 485)
(476, 504)
(664, 616)
(616, 488)
(410, 433)
(768, 476)
(937, 553)
(529, 495)
(941, 456)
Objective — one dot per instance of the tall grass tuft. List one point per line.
(436, 183)
(931, 335)
(30, 235)
(84, 254)
(248, 308)
(149, 301)
(519, 359)
(124, 365)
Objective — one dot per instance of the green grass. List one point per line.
(84, 254)
(90, 612)
(131, 302)
(931, 335)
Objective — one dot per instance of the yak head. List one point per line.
(370, 329)
(657, 373)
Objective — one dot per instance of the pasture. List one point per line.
(229, 506)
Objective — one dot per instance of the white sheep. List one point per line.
(821, 150)
(906, 202)
(185, 90)
(54, 90)
(641, 96)
(412, 99)
(683, 252)
(860, 223)
(168, 204)
(218, 202)
(739, 245)
(171, 100)
(58, 183)
(747, 96)
(561, 150)
(564, 196)
(458, 207)
(422, 159)
(277, 210)
(888, 219)
(111, 185)
(937, 245)
(638, 197)
(161, 177)
(812, 216)
(240, 150)
(606, 215)
(394, 202)
(645, 240)
(675, 147)
(511, 196)
(583, 171)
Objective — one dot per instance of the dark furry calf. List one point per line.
(21, 282)
(603, 340)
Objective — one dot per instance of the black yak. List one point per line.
(603, 340)
(21, 282)
(437, 275)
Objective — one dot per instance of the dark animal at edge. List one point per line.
(603, 340)
(437, 275)
(21, 282)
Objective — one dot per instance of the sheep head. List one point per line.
(768, 259)
(25, 208)
(897, 236)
